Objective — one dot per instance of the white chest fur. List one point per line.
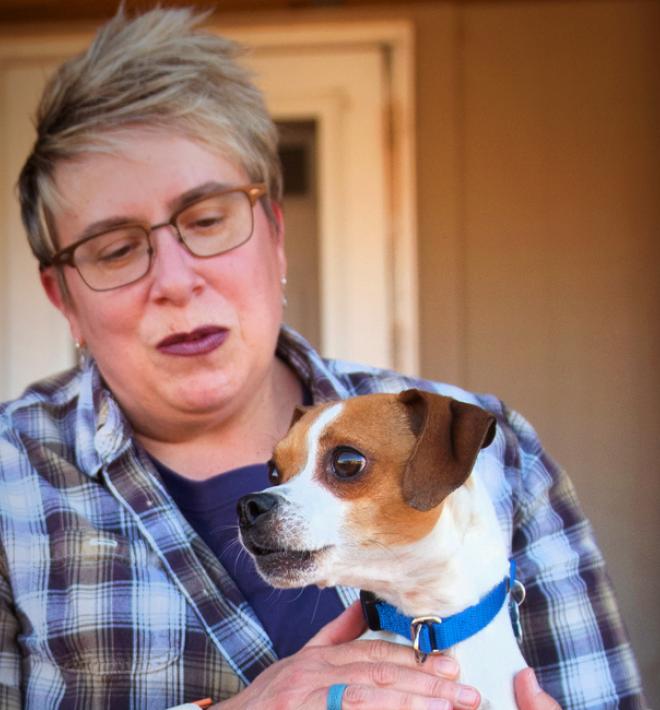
(466, 567)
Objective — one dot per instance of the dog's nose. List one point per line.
(251, 507)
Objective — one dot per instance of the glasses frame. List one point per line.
(65, 257)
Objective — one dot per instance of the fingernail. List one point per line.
(440, 704)
(445, 666)
(467, 697)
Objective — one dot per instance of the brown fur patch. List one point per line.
(390, 521)
(291, 453)
(378, 426)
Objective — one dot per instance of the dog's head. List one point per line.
(357, 478)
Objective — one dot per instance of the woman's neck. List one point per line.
(237, 438)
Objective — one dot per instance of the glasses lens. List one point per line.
(113, 259)
(216, 224)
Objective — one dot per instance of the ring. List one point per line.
(335, 695)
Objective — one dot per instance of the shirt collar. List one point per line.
(311, 368)
(102, 431)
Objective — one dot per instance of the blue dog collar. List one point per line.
(432, 634)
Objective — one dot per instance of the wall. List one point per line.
(538, 174)
(560, 175)
(554, 285)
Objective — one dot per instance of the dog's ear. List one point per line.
(297, 414)
(449, 436)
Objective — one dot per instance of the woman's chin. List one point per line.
(205, 397)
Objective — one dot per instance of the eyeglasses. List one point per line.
(212, 225)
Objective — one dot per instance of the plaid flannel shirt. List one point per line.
(108, 599)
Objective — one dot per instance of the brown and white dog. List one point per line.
(381, 492)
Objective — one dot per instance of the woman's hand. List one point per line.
(378, 675)
(529, 695)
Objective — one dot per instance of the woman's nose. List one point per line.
(174, 271)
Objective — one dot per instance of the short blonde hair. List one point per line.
(155, 70)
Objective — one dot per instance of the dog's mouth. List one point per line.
(295, 557)
(284, 567)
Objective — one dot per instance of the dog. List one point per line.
(382, 492)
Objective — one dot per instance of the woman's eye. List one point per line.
(347, 462)
(204, 222)
(117, 250)
(119, 253)
(208, 222)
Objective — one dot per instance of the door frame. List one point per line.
(396, 39)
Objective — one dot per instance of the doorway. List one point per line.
(298, 155)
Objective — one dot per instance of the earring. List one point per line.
(81, 352)
(283, 283)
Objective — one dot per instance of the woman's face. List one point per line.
(194, 339)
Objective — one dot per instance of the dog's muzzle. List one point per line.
(265, 531)
(257, 514)
(253, 507)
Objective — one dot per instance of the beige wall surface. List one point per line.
(538, 171)
(554, 266)
(561, 183)
(539, 250)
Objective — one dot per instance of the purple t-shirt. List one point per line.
(289, 616)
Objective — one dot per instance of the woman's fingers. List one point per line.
(382, 675)
(368, 679)
(358, 696)
(529, 695)
(363, 696)
(346, 627)
(378, 675)
(378, 653)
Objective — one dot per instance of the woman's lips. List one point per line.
(200, 341)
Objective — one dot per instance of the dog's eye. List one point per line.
(347, 462)
(274, 475)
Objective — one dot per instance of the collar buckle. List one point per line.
(416, 626)
(369, 602)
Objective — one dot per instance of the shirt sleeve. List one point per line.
(10, 697)
(573, 634)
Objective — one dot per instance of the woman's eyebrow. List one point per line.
(104, 225)
(197, 193)
(110, 223)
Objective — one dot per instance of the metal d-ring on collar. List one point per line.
(517, 594)
(416, 626)
(434, 634)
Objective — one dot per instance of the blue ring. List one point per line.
(335, 695)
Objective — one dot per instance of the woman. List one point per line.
(151, 200)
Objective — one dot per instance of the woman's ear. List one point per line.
(55, 288)
(277, 223)
(278, 219)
